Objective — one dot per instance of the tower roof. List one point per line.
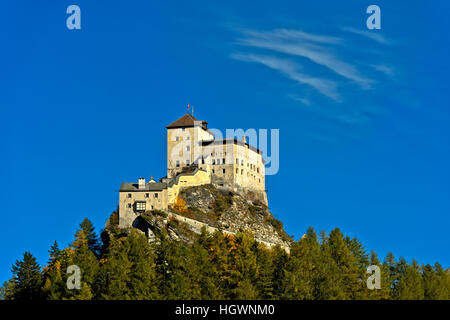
(186, 121)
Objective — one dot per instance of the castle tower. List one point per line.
(184, 136)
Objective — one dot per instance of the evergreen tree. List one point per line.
(410, 283)
(27, 278)
(54, 254)
(300, 271)
(92, 239)
(7, 290)
(129, 269)
(384, 293)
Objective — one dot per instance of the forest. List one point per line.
(120, 265)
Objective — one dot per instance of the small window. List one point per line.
(213, 171)
(188, 162)
(223, 161)
(188, 138)
(218, 161)
(140, 206)
(178, 163)
(147, 195)
(223, 171)
(152, 207)
(237, 161)
(155, 195)
(213, 161)
(129, 205)
(177, 138)
(203, 161)
(237, 170)
(188, 148)
(242, 162)
(129, 195)
(183, 129)
(242, 171)
(257, 169)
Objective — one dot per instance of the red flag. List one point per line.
(188, 106)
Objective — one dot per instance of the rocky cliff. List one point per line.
(214, 209)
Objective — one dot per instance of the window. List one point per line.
(155, 195)
(203, 161)
(242, 171)
(152, 207)
(129, 205)
(257, 169)
(183, 129)
(242, 162)
(237, 161)
(237, 170)
(129, 195)
(223, 171)
(213, 171)
(177, 138)
(188, 162)
(213, 161)
(147, 195)
(223, 161)
(188, 138)
(218, 161)
(188, 148)
(140, 205)
(178, 163)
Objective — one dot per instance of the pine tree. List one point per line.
(129, 269)
(410, 283)
(7, 290)
(384, 292)
(27, 278)
(436, 282)
(54, 254)
(92, 239)
(300, 271)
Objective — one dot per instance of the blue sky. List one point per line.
(363, 114)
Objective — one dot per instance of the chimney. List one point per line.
(141, 183)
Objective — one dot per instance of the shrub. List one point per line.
(159, 213)
(172, 222)
(180, 205)
(222, 203)
(277, 224)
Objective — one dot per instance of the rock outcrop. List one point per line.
(215, 210)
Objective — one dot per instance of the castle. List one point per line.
(195, 157)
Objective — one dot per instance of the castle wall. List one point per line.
(200, 178)
(127, 204)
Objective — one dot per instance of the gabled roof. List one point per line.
(186, 121)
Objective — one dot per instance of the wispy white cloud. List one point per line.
(368, 34)
(290, 34)
(383, 68)
(302, 44)
(292, 71)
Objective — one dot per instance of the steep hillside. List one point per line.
(207, 206)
